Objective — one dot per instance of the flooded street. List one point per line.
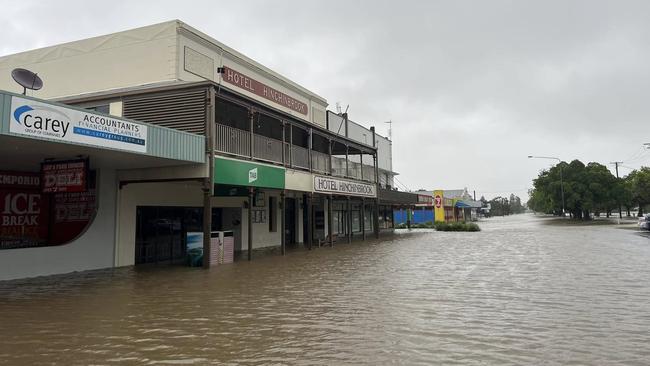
(522, 291)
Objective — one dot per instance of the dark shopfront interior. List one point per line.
(161, 232)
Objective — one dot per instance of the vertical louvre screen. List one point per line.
(181, 110)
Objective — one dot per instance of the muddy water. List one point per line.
(519, 292)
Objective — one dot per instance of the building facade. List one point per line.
(273, 169)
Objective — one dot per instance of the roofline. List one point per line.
(250, 61)
(132, 90)
(162, 87)
(182, 25)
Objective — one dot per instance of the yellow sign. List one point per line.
(438, 206)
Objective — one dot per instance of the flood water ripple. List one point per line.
(522, 291)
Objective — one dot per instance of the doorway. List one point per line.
(161, 233)
(290, 221)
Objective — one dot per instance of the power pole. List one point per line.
(616, 163)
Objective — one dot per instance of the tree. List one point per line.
(639, 185)
(588, 189)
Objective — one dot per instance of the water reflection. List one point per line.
(519, 292)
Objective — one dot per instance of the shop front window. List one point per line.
(30, 217)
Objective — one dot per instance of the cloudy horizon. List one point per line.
(472, 87)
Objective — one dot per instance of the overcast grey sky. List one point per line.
(472, 87)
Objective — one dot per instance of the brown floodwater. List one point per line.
(519, 292)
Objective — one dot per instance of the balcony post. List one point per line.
(284, 163)
(363, 218)
(330, 156)
(310, 145)
(290, 145)
(330, 231)
(347, 160)
(251, 198)
(252, 148)
(349, 220)
(374, 157)
(361, 166)
(283, 225)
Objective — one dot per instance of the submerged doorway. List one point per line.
(290, 221)
(161, 233)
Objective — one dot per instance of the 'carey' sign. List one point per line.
(251, 85)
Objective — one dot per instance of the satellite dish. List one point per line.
(27, 79)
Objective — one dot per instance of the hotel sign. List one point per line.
(343, 187)
(251, 85)
(50, 121)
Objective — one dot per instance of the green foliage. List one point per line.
(501, 206)
(588, 189)
(456, 226)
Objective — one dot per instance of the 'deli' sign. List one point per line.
(64, 176)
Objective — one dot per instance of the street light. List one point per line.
(561, 181)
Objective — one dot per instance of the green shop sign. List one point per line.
(240, 173)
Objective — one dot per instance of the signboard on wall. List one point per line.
(251, 85)
(64, 176)
(438, 204)
(23, 211)
(240, 173)
(31, 218)
(344, 187)
(49, 121)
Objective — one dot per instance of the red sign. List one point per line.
(23, 211)
(238, 79)
(438, 201)
(71, 214)
(19, 180)
(65, 176)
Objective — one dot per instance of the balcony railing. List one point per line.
(235, 141)
(338, 166)
(232, 140)
(320, 162)
(300, 157)
(369, 173)
(354, 170)
(266, 148)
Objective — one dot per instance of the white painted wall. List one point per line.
(92, 250)
(203, 57)
(262, 237)
(125, 59)
(180, 194)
